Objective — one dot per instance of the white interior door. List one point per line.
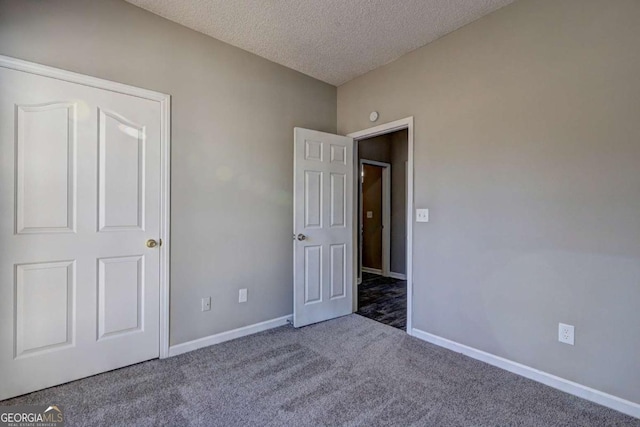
(323, 226)
(79, 199)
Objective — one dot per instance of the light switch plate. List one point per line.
(369, 214)
(422, 215)
(242, 295)
(206, 304)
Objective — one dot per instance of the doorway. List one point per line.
(382, 227)
(326, 234)
(375, 212)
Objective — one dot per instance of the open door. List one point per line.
(322, 226)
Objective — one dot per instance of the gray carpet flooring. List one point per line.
(350, 371)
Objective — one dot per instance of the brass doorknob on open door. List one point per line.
(302, 237)
(151, 243)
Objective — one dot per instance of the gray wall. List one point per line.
(233, 115)
(392, 148)
(399, 153)
(527, 152)
(377, 148)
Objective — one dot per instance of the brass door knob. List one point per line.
(151, 243)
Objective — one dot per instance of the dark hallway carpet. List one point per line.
(349, 371)
(383, 299)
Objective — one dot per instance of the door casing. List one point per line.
(406, 123)
(165, 165)
(386, 216)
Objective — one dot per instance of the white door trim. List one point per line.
(386, 214)
(165, 166)
(382, 129)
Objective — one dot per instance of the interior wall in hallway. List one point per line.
(392, 148)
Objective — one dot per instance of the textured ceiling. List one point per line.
(331, 40)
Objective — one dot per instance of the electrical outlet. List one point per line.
(242, 295)
(206, 304)
(422, 215)
(566, 333)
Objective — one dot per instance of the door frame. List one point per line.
(406, 123)
(165, 165)
(386, 216)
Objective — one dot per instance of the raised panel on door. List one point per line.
(121, 173)
(313, 150)
(338, 200)
(120, 295)
(313, 199)
(338, 269)
(45, 168)
(44, 307)
(312, 274)
(339, 154)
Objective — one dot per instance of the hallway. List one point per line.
(383, 299)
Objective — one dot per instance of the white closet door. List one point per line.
(79, 199)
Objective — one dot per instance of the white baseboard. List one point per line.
(602, 398)
(371, 270)
(391, 274)
(177, 349)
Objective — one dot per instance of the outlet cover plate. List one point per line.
(242, 295)
(566, 333)
(422, 215)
